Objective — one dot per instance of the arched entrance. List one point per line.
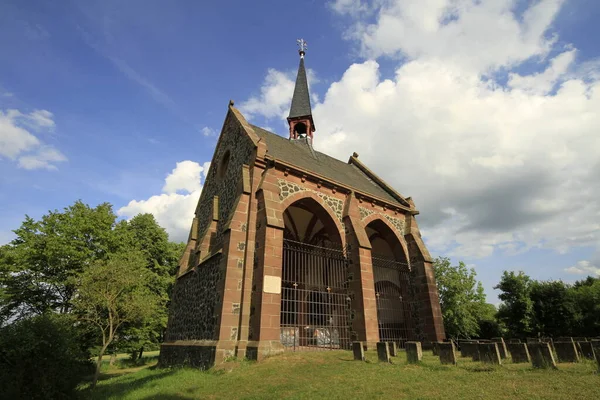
(391, 274)
(314, 280)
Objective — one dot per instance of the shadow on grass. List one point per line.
(121, 387)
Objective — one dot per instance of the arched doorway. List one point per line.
(391, 274)
(314, 280)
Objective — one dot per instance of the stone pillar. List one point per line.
(362, 288)
(234, 252)
(430, 312)
(265, 309)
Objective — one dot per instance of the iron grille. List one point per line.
(394, 300)
(314, 297)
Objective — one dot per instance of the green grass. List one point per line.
(334, 375)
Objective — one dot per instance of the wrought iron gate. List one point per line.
(394, 300)
(314, 297)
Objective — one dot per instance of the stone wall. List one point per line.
(224, 183)
(195, 303)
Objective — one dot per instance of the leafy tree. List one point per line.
(516, 310)
(586, 295)
(161, 257)
(42, 358)
(115, 292)
(37, 269)
(554, 308)
(461, 298)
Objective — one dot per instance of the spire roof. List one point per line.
(301, 99)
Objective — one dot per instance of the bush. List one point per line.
(42, 358)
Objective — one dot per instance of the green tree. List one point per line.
(554, 308)
(516, 310)
(42, 358)
(37, 268)
(461, 298)
(161, 257)
(587, 300)
(115, 292)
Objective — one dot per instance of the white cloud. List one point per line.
(583, 267)
(185, 177)
(42, 158)
(173, 211)
(206, 131)
(275, 94)
(474, 34)
(492, 168)
(18, 142)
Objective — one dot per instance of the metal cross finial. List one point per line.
(302, 45)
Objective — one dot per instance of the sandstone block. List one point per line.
(501, 346)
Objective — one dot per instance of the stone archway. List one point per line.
(314, 299)
(393, 285)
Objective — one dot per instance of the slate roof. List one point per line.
(301, 154)
(301, 100)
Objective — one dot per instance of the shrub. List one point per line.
(42, 358)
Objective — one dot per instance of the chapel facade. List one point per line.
(293, 250)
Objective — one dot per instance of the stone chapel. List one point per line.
(293, 250)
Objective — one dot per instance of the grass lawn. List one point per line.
(334, 375)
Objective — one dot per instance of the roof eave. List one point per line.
(354, 161)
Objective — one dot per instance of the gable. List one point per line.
(300, 154)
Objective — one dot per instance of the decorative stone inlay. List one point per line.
(286, 189)
(364, 212)
(397, 223)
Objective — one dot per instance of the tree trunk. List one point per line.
(98, 365)
(141, 352)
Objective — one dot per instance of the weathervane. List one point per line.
(302, 45)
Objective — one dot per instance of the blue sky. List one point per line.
(484, 112)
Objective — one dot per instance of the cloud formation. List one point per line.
(494, 164)
(18, 140)
(583, 267)
(174, 207)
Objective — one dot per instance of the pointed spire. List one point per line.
(300, 110)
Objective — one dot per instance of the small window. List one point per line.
(222, 171)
